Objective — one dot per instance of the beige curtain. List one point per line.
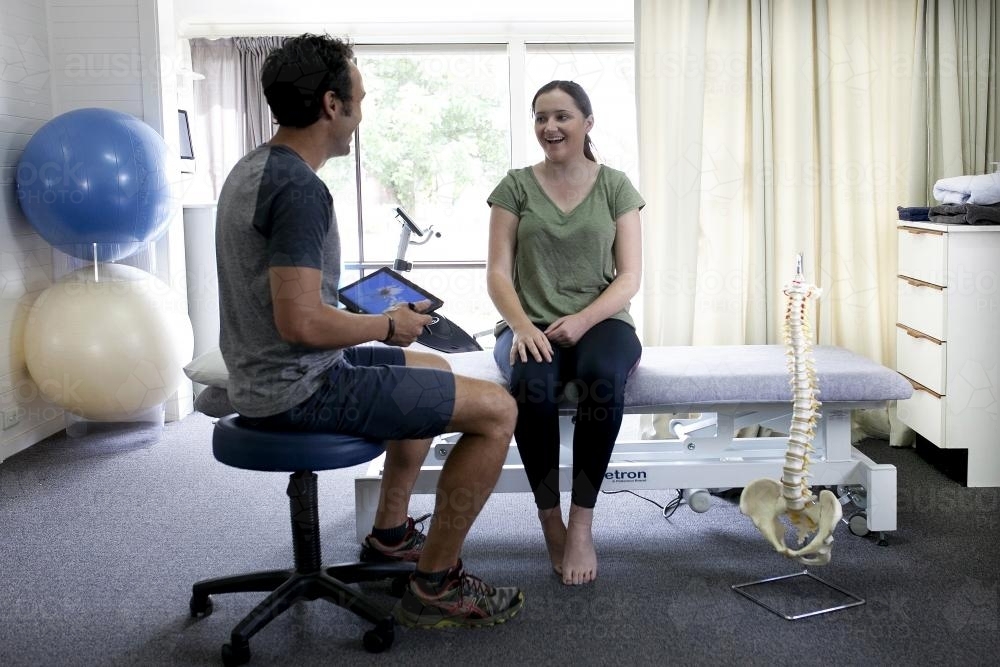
(961, 62)
(252, 52)
(770, 128)
(231, 116)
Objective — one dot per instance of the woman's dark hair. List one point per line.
(582, 100)
(297, 75)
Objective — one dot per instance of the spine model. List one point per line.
(766, 501)
(805, 407)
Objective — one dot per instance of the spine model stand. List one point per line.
(766, 501)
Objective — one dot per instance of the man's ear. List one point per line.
(331, 104)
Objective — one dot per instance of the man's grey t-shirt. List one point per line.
(273, 211)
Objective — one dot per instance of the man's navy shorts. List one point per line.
(373, 394)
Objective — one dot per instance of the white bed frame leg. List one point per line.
(836, 434)
(880, 481)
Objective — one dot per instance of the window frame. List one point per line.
(517, 50)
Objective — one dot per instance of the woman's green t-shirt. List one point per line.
(564, 261)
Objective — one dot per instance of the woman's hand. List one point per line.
(530, 340)
(567, 331)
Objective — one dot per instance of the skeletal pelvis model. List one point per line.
(766, 501)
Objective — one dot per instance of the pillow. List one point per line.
(208, 369)
(214, 402)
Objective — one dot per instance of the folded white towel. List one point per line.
(983, 189)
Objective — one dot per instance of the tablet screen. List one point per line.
(380, 291)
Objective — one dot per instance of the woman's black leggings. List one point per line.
(598, 366)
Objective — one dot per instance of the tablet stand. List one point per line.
(442, 334)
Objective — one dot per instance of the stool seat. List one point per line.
(238, 443)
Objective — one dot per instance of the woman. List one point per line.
(565, 258)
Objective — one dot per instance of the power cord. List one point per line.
(666, 510)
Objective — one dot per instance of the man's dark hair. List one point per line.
(297, 75)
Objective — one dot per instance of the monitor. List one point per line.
(184, 136)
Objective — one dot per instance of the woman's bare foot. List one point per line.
(579, 564)
(554, 531)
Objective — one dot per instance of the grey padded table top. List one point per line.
(696, 378)
(730, 374)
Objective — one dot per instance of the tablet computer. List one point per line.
(379, 291)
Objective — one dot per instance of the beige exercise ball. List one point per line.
(108, 342)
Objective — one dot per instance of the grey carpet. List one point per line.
(102, 536)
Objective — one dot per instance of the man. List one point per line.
(297, 361)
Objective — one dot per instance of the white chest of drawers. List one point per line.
(948, 339)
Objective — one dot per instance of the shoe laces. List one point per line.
(473, 584)
(415, 529)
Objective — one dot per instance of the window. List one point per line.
(607, 73)
(439, 131)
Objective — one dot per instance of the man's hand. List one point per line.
(409, 321)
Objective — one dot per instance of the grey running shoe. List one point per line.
(460, 601)
(408, 550)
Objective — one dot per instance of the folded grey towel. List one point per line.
(949, 214)
(949, 219)
(965, 214)
(983, 215)
(949, 209)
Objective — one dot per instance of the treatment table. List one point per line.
(712, 393)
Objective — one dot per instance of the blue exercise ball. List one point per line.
(95, 176)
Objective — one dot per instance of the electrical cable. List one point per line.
(666, 510)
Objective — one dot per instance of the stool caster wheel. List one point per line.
(398, 586)
(380, 637)
(883, 539)
(858, 524)
(235, 655)
(200, 606)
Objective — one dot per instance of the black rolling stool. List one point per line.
(237, 444)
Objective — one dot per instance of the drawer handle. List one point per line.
(913, 282)
(913, 333)
(918, 232)
(919, 387)
(920, 336)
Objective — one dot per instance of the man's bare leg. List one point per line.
(485, 413)
(403, 459)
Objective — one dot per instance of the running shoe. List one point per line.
(408, 550)
(460, 601)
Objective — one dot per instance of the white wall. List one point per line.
(25, 259)
(95, 55)
(408, 20)
(56, 56)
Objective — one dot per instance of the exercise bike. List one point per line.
(441, 334)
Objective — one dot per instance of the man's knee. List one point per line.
(484, 408)
(495, 413)
(503, 411)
